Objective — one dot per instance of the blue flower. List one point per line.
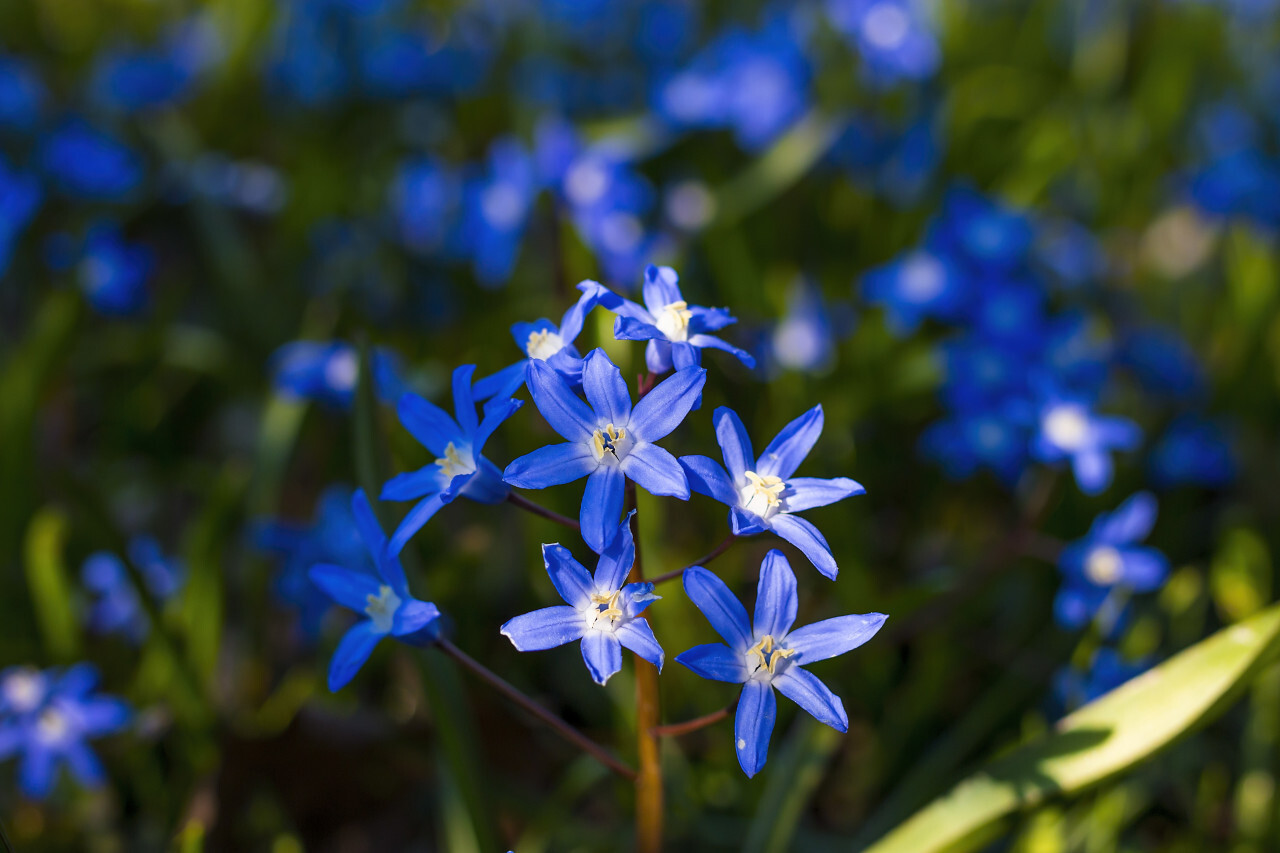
(769, 654)
(113, 273)
(459, 468)
(1068, 429)
(981, 434)
(1107, 671)
(761, 493)
(891, 36)
(135, 80)
(1072, 253)
(603, 612)
(1164, 363)
(1108, 557)
(384, 599)
(22, 94)
(804, 338)
(496, 208)
(675, 330)
(53, 730)
(23, 690)
(607, 441)
(327, 372)
(20, 197)
(918, 285)
(115, 607)
(544, 341)
(424, 198)
(332, 537)
(86, 163)
(988, 235)
(1193, 450)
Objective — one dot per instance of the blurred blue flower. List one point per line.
(982, 231)
(20, 197)
(22, 94)
(916, 286)
(115, 608)
(543, 341)
(983, 434)
(607, 441)
(495, 209)
(675, 330)
(55, 731)
(425, 194)
(804, 338)
(1163, 362)
(1107, 558)
(1244, 183)
(23, 690)
(113, 273)
(327, 372)
(1107, 670)
(1069, 429)
(1071, 252)
(1193, 450)
(459, 468)
(305, 63)
(135, 80)
(331, 537)
(761, 493)
(87, 163)
(388, 607)
(892, 37)
(602, 611)
(769, 654)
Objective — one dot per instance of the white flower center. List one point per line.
(1103, 565)
(586, 182)
(22, 690)
(610, 443)
(381, 608)
(922, 278)
(543, 344)
(764, 658)
(606, 610)
(762, 495)
(341, 370)
(620, 232)
(52, 726)
(1066, 426)
(453, 463)
(503, 206)
(673, 321)
(886, 25)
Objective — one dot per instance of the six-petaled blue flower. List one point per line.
(1069, 429)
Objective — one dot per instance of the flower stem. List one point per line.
(706, 558)
(559, 726)
(537, 509)
(677, 729)
(649, 795)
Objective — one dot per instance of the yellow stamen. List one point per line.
(768, 654)
(381, 608)
(606, 440)
(674, 320)
(452, 464)
(606, 605)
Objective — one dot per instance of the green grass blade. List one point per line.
(50, 588)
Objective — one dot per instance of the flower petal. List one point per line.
(602, 506)
(412, 616)
(84, 765)
(716, 662)
(735, 444)
(725, 612)
(743, 523)
(412, 485)
(1093, 471)
(562, 409)
(504, 383)
(712, 342)
(349, 588)
(545, 629)
(36, 774)
(570, 579)
(657, 355)
(616, 560)
(422, 512)
(661, 288)
(602, 653)
(662, 409)
(606, 391)
(656, 471)
(831, 637)
(807, 690)
(809, 492)
(552, 465)
(1128, 523)
(637, 635)
(352, 652)
(571, 323)
(806, 537)
(1143, 569)
(427, 422)
(463, 404)
(753, 725)
(632, 329)
(495, 413)
(789, 448)
(706, 477)
(776, 600)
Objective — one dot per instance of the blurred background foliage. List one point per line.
(276, 199)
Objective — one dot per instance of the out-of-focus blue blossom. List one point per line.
(893, 38)
(1075, 354)
(991, 434)
(384, 600)
(675, 330)
(916, 286)
(1107, 558)
(1071, 253)
(424, 199)
(306, 64)
(54, 732)
(23, 690)
(1107, 671)
(131, 80)
(602, 611)
(804, 338)
(1069, 429)
(1225, 127)
(982, 231)
(331, 537)
(87, 163)
(398, 56)
(756, 84)
(764, 653)
(22, 94)
(115, 608)
(762, 494)
(608, 441)
(543, 341)
(114, 273)
(1243, 183)
(20, 197)
(1193, 450)
(495, 210)
(1163, 363)
(1010, 313)
(459, 469)
(327, 372)
(245, 184)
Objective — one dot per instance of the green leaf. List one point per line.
(1102, 739)
(50, 589)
